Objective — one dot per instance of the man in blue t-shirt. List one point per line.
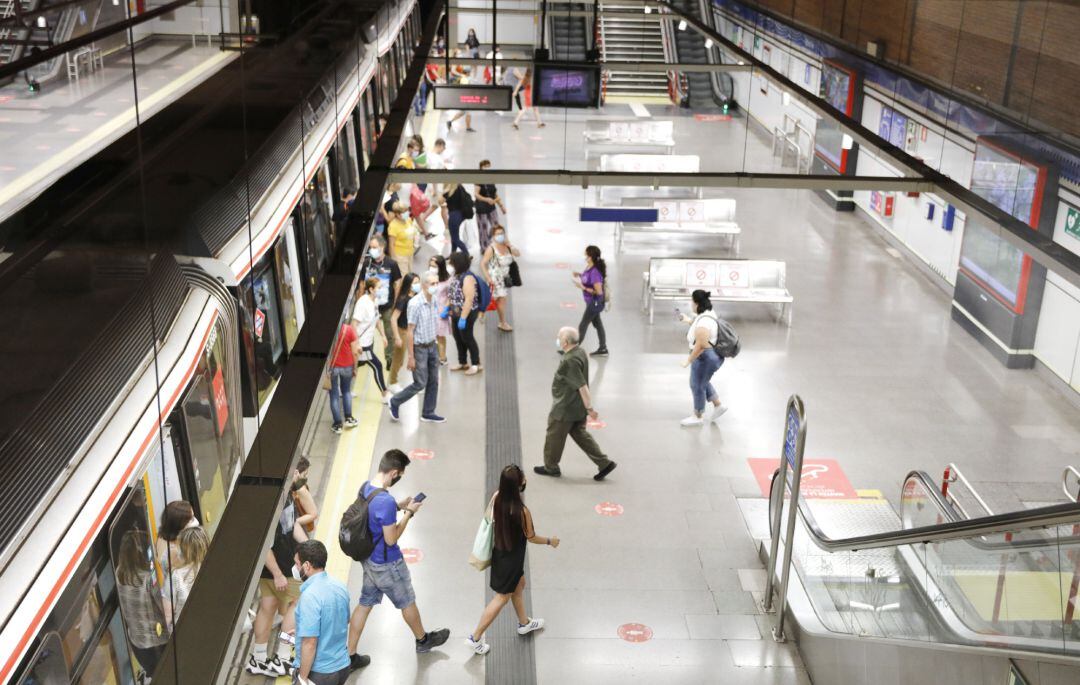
(385, 572)
(322, 620)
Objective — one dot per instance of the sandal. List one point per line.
(506, 329)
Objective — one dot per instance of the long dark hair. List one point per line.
(175, 517)
(440, 263)
(594, 254)
(405, 294)
(509, 509)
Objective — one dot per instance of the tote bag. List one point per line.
(480, 558)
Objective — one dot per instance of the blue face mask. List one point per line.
(500, 238)
(416, 287)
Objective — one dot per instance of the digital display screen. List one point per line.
(996, 263)
(488, 98)
(838, 89)
(557, 85)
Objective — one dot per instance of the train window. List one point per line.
(348, 175)
(326, 205)
(284, 271)
(47, 665)
(370, 117)
(264, 325)
(360, 136)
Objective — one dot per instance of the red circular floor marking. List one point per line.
(562, 265)
(595, 424)
(412, 555)
(635, 632)
(609, 509)
(422, 454)
(536, 138)
(554, 230)
(547, 202)
(569, 305)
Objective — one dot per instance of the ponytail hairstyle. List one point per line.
(594, 254)
(701, 300)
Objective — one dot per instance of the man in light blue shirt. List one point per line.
(423, 353)
(322, 621)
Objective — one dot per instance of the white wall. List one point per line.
(1057, 343)
(199, 18)
(512, 28)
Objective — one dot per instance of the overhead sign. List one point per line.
(638, 215)
(1072, 222)
(487, 98)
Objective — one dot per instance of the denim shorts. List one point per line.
(391, 579)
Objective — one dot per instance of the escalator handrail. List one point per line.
(1042, 517)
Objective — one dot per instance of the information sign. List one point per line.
(692, 211)
(487, 98)
(1072, 222)
(667, 210)
(701, 274)
(733, 275)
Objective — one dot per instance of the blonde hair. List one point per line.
(194, 545)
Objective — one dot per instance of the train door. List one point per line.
(370, 117)
(345, 157)
(263, 326)
(288, 285)
(322, 181)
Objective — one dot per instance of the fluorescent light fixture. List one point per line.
(741, 63)
(786, 98)
(682, 25)
(115, 2)
(708, 43)
(648, 10)
(41, 22)
(847, 142)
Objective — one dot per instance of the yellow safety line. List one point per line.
(429, 128)
(126, 118)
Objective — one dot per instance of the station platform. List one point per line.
(658, 578)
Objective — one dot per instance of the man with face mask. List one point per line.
(570, 408)
(385, 571)
(423, 354)
(322, 621)
(378, 265)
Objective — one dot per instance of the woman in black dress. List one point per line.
(513, 529)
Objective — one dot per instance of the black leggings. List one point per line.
(376, 367)
(592, 315)
(466, 339)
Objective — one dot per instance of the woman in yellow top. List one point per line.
(402, 232)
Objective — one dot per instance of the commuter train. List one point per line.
(176, 396)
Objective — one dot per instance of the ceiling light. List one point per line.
(682, 25)
(786, 98)
(847, 142)
(648, 10)
(41, 22)
(708, 43)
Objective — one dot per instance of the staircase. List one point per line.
(569, 35)
(9, 31)
(632, 39)
(700, 90)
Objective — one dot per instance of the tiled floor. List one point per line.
(45, 134)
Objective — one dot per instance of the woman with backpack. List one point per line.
(464, 309)
(593, 285)
(457, 206)
(703, 361)
(513, 529)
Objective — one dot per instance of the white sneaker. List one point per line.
(472, 371)
(395, 388)
(533, 625)
(718, 412)
(691, 421)
(387, 396)
(272, 667)
(478, 646)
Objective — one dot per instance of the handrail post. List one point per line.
(789, 476)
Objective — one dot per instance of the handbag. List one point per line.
(480, 558)
(515, 275)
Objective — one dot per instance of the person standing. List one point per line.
(410, 286)
(389, 275)
(488, 206)
(365, 319)
(322, 621)
(513, 525)
(342, 366)
(592, 282)
(385, 571)
(194, 544)
(703, 360)
(437, 266)
(472, 44)
(496, 267)
(464, 309)
(457, 205)
(402, 232)
(422, 351)
(570, 408)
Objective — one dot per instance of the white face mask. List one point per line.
(415, 288)
(450, 269)
(434, 270)
(375, 252)
(500, 238)
(296, 572)
(558, 344)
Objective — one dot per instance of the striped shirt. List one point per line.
(421, 314)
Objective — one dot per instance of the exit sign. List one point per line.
(1072, 223)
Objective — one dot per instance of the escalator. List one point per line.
(699, 90)
(932, 581)
(569, 34)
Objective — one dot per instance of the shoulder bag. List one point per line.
(480, 558)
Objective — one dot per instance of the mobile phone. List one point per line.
(419, 497)
(678, 314)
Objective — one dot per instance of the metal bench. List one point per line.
(631, 135)
(714, 217)
(758, 281)
(678, 164)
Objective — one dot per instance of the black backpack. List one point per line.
(467, 206)
(354, 534)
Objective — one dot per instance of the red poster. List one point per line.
(221, 401)
(260, 323)
(821, 478)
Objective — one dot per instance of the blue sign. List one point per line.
(885, 126)
(638, 215)
(791, 437)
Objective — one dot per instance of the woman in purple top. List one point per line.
(592, 284)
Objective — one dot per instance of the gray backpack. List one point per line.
(727, 340)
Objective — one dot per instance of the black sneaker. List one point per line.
(605, 471)
(542, 470)
(449, 126)
(336, 428)
(601, 352)
(432, 640)
(358, 661)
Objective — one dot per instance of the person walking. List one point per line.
(488, 206)
(402, 232)
(437, 266)
(496, 267)
(306, 510)
(410, 286)
(385, 571)
(513, 530)
(368, 324)
(457, 205)
(461, 74)
(570, 408)
(322, 621)
(523, 91)
(342, 365)
(592, 282)
(386, 270)
(464, 309)
(194, 544)
(703, 361)
(423, 354)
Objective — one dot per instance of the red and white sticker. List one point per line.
(7, 167)
(595, 424)
(536, 138)
(422, 454)
(554, 230)
(260, 322)
(562, 265)
(412, 555)
(547, 202)
(609, 509)
(635, 632)
(821, 478)
(712, 117)
(569, 305)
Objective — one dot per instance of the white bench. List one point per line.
(673, 164)
(632, 135)
(759, 281)
(712, 217)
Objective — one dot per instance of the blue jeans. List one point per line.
(701, 372)
(454, 224)
(425, 377)
(341, 392)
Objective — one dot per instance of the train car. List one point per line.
(163, 403)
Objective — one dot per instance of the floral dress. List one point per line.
(499, 270)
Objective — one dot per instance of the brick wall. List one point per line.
(1018, 54)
